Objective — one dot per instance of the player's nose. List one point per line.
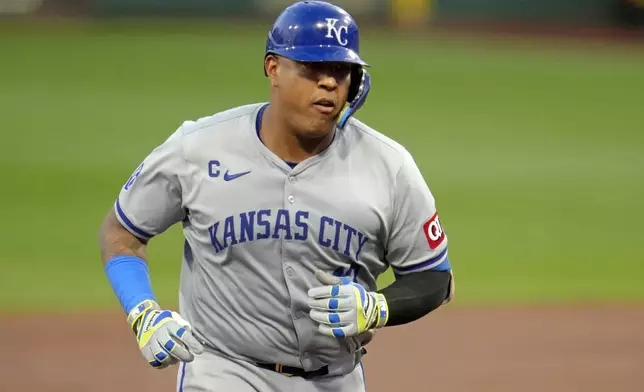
(328, 82)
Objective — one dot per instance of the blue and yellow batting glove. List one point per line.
(344, 308)
(164, 337)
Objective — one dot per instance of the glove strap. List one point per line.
(382, 311)
(135, 316)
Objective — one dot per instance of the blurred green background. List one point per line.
(534, 149)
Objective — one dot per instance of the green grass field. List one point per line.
(535, 152)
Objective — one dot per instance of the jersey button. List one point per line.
(291, 199)
(291, 179)
(289, 271)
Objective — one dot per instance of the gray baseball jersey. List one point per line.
(257, 229)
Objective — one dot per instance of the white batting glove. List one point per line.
(344, 308)
(164, 337)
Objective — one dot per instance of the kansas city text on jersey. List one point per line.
(279, 224)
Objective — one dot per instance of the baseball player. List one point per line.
(290, 209)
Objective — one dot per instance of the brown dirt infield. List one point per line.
(454, 349)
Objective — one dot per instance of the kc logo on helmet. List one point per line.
(330, 28)
(434, 232)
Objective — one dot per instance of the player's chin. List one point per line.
(323, 121)
(320, 127)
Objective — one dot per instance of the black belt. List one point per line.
(291, 371)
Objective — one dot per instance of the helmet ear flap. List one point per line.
(358, 90)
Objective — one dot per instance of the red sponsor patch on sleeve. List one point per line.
(434, 231)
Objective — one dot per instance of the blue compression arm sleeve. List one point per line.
(130, 279)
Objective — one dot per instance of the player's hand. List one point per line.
(164, 337)
(344, 308)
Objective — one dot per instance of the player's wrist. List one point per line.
(382, 311)
(129, 277)
(136, 314)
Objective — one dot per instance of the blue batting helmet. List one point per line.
(317, 31)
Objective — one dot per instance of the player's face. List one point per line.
(313, 94)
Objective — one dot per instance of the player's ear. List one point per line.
(271, 67)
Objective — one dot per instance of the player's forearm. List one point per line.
(415, 295)
(115, 240)
(123, 255)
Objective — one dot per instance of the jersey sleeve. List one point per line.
(150, 201)
(416, 240)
